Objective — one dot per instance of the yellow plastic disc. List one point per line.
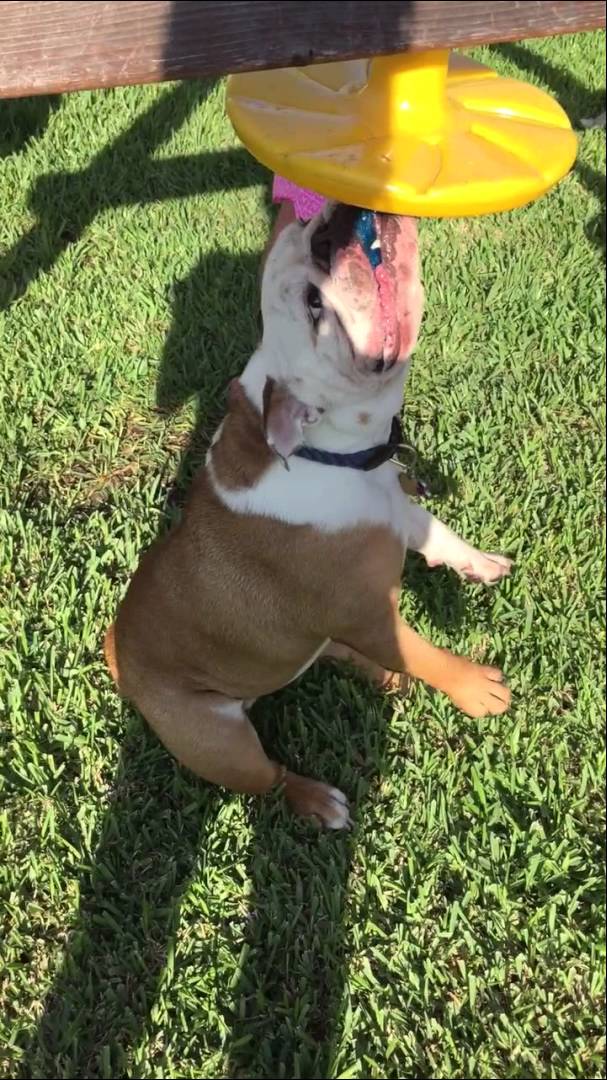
(426, 134)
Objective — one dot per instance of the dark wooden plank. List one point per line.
(50, 47)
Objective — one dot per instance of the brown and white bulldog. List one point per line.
(294, 538)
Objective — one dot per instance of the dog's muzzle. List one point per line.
(372, 280)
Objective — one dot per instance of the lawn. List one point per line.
(152, 926)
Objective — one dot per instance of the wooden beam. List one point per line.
(51, 47)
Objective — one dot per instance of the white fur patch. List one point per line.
(231, 710)
(340, 815)
(322, 373)
(214, 440)
(328, 497)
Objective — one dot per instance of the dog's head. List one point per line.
(341, 310)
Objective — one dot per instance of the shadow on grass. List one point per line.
(594, 182)
(122, 174)
(128, 913)
(22, 120)
(284, 1013)
(572, 94)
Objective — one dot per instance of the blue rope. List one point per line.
(366, 233)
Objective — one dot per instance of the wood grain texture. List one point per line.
(50, 47)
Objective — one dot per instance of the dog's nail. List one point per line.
(338, 796)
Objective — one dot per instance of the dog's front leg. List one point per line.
(440, 546)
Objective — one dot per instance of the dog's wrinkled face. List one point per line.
(341, 324)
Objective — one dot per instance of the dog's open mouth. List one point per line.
(372, 281)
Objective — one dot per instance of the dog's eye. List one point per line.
(314, 302)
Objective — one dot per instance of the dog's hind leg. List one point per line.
(476, 689)
(212, 735)
(388, 680)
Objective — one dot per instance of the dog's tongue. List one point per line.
(389, 330)
(375, 285)
(367, 233)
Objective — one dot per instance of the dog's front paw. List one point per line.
(486, 568)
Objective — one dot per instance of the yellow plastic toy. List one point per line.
(429, 134)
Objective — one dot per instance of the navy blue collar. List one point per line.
(362, 459)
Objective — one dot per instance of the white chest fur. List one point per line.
(325, 496)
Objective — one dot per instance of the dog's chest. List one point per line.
(326, 497)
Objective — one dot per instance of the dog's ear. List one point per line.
(284, 418)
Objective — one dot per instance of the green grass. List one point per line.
(153, 927)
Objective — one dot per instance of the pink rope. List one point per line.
(305, 203)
